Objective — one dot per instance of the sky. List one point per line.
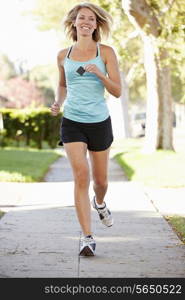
(21, 40)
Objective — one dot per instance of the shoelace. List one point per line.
(105, 212)
(87, 240)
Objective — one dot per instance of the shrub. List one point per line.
(30, 126)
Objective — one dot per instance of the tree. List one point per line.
(7, 69)
(45, 78)
(156, 26)
(21, 93)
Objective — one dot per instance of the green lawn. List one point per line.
(159, 169)
(25, 165)
(178, 224)
(1, 214)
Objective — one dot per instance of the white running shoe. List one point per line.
(87, 246)
(104, 213)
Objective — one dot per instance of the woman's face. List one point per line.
(85, 22)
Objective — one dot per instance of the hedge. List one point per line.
(30, 126)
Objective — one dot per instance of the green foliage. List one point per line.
(31, 126)
(171, 16)
(178, 224)
(1, 214)
(50, 14)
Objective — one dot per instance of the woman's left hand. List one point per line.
(92, 68)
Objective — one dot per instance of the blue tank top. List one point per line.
(85, 101)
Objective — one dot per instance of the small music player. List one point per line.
(80, 70)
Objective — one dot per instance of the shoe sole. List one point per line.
(86, 251)
(108, 225)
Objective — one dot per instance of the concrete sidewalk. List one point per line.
(39, 234)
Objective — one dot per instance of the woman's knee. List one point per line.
(101, 182)
(82, 177)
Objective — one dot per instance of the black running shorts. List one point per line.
(98, 136)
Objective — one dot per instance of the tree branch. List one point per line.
(131, 72)
(140, 15)
(131, 36)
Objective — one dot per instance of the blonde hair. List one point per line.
(103, 20)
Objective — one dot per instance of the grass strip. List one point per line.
(25, 165)
(178, 225)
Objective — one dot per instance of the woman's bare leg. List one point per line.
(99, 162)
(76, 153)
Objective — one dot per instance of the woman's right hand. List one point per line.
(55, 109)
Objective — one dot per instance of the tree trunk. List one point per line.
(153, 104)
(165, 139)
(159, 100)
(124, 104)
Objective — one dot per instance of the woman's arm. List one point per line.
(61, 88)
(113, 82)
